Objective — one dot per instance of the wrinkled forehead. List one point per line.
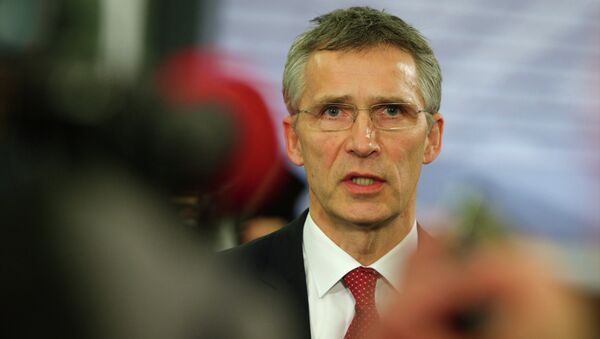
(365, 76)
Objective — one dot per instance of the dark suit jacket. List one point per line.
(278, 262)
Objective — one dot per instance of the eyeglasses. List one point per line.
(385, 116)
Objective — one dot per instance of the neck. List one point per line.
(366, 243)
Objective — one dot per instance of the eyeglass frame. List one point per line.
(356, 110)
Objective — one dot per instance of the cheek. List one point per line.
(320, 152)
(407, 155)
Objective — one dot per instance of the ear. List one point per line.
(433, 143)
(293, 146)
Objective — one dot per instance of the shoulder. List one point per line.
(262, 251)
(255, 249)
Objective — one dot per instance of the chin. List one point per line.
(367, 218)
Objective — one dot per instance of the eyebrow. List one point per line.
(382, 99)
(334, 99)
(348, 99)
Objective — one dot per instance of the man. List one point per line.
(363, 93)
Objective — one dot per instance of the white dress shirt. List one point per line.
(331, 305)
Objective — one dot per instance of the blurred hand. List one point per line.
(490, 292)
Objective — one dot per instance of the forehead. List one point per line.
(361, 76)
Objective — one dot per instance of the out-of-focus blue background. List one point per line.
(521, 99)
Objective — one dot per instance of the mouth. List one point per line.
(362, 178)
(362, 182)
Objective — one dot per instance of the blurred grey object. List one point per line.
(99, 257)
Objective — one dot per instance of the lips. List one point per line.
(362, 177)
(361, 183)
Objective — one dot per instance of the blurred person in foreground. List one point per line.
(495, 290)
(363, 92)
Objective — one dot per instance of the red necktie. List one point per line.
(362, 281)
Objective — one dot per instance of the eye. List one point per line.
(392, 109)
(331, 111)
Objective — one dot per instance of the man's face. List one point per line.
(361, 176)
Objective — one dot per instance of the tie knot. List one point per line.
(361, 282)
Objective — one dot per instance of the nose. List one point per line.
(362, 140)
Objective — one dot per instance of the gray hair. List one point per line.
(358, 28)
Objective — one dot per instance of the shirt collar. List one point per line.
(328, 263)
